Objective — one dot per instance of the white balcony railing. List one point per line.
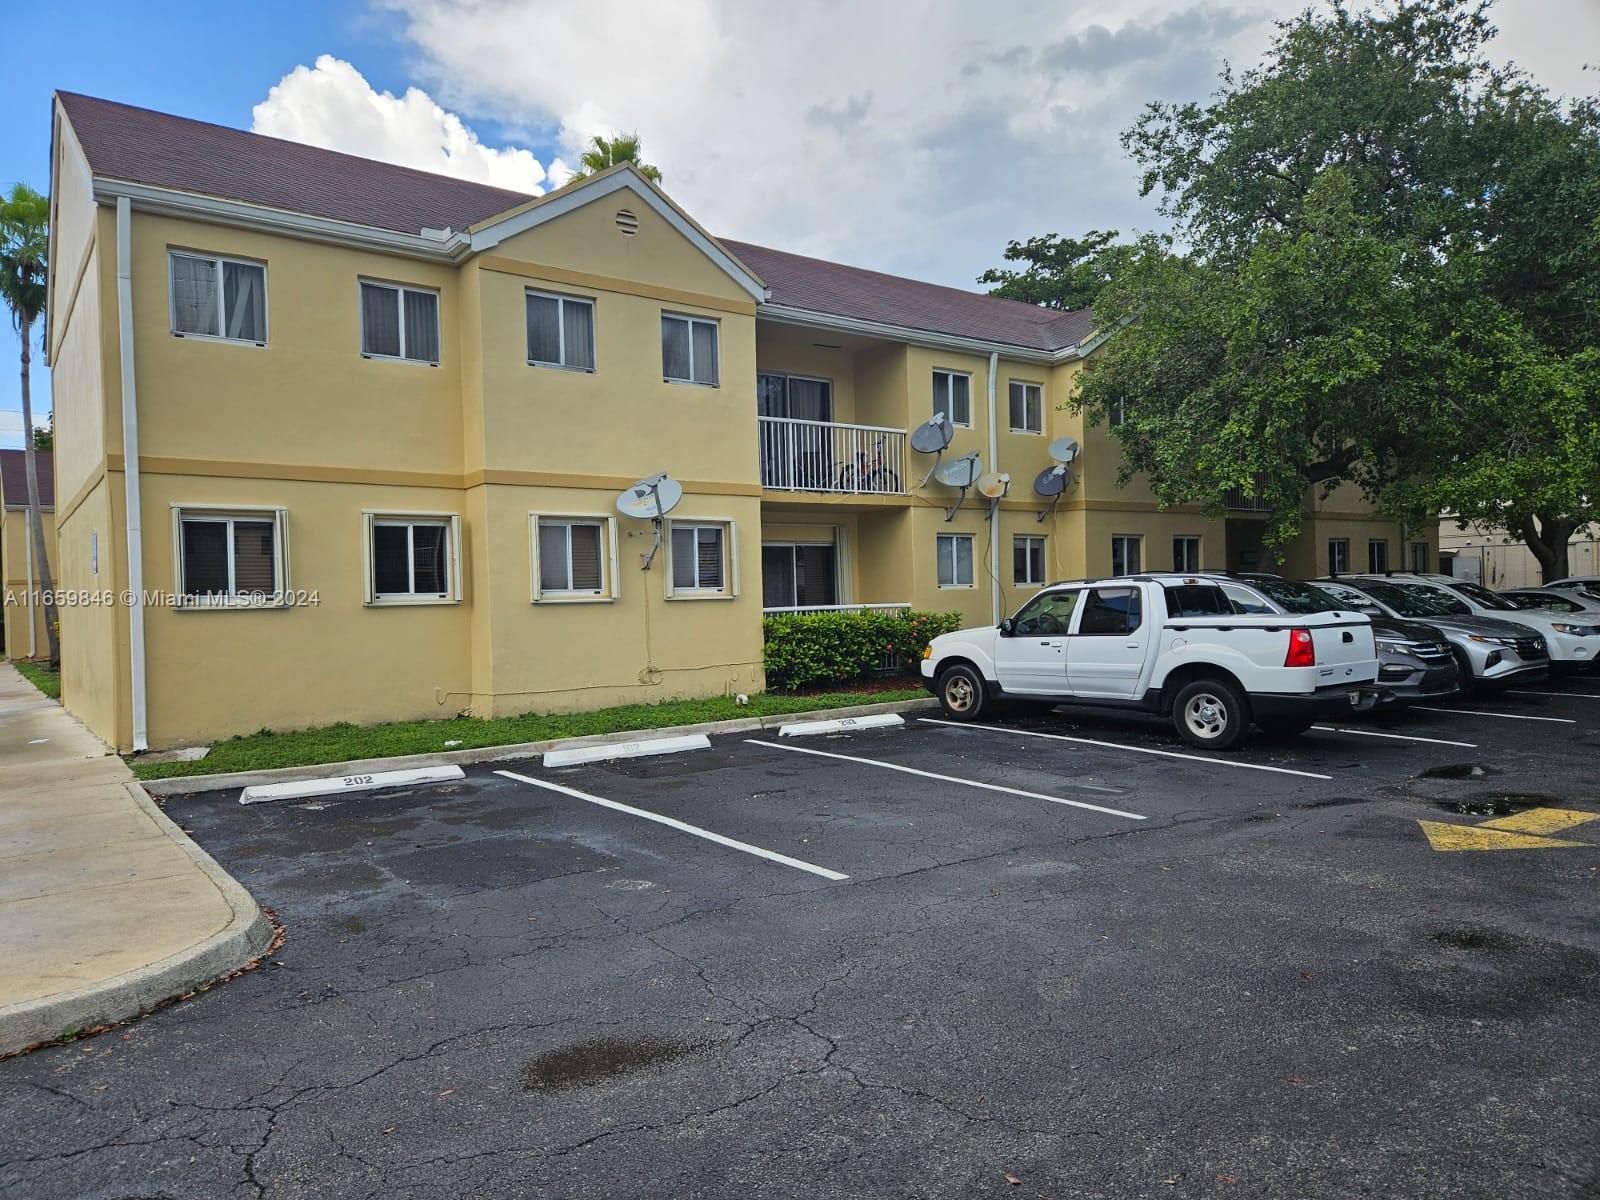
(816, 608)
(828, 456)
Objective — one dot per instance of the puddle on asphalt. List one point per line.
(1494, 804)
(1457, 771)
(597, 1060)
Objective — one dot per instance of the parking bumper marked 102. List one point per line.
(1526, 830)
(1398, 737)
(988, 787)
(1473, 712)
(681, 826)
(1061, 737)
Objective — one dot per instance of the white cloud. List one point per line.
(332, 105)
(914, 136)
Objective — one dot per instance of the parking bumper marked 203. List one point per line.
(1527, 830)
(681, 826)
(1061, 737)
(974, 783)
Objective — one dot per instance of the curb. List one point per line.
(247, 935)
(183, 785)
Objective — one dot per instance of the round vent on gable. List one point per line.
(627, 221)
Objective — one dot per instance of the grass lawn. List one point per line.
(41, 676)
(342, 743)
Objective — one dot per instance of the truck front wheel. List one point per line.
(1210, 713)
(962, 694)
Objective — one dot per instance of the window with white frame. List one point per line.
(688, 350)
(699, 558)
(1027, 560)
(398, 321)
(413, 559)
(1377, 555)
(1338, 556)
(573, 558)
(1186, 553)
(1027, 407)
(952, 396)
(560, 331)
(218, 297)
(955, 560)
(1126, 554)
(229, 558)
(1419, 557)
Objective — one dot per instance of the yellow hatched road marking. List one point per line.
(1541, 820)
(1521, 831)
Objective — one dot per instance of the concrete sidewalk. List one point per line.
(106, 908)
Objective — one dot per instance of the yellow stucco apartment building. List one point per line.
(353, 435)
(22, 615)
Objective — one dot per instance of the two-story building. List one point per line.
(22, 617)
(351, 437)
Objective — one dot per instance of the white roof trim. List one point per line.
(593, 189)
(811, 319)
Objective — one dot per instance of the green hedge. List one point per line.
(803, 649)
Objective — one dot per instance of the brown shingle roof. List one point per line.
(142, 146)
(14, 478)
(825, 287)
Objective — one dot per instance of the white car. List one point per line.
(1561, 600)
(1574, 642)
(1167, 644)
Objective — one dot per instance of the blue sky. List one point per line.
(919, 144)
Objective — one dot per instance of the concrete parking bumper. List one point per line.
(106, 908)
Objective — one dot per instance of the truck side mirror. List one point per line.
(1006, 627)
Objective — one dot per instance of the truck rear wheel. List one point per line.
(1210, 713)
(962, 694)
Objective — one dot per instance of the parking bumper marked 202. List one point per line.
(1473, 712)
(988, 787)
(1398, 737)
(1528, 830)
(681, 826)
(1061, 737)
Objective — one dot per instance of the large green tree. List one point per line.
(1060, 272)
(1390, 278)
(24, 243)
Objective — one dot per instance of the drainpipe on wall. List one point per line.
(130, 473)
(994, 465)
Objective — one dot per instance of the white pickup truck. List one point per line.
(1167, 644)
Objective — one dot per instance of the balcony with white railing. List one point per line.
(830, 456)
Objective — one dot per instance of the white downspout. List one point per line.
(130, 473)
(33, 633)
(994, 465)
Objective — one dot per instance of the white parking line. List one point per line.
(1563, 695)
(988, 787)
(1399, 737)
(1472, 712)
(681, 826)
(1061, 737)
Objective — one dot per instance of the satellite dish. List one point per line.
(993, 485)
(651, 500)
(1064, 450)
(960, 473)
(931, 437)
(1050, 483)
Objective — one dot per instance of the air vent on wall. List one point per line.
(627, 222)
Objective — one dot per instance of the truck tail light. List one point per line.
(1301, 651)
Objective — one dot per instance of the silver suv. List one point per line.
(1487, 650)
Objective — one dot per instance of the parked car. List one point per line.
(1167, 644)
(1574, 644)
(1553, 599)
(1486, 650)
(1589, 584)
(1414, 660)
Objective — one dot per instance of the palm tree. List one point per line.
(608, 152)
(24, 242)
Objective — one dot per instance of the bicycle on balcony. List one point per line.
(869, 474)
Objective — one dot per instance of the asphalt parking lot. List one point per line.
(1055, 956)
